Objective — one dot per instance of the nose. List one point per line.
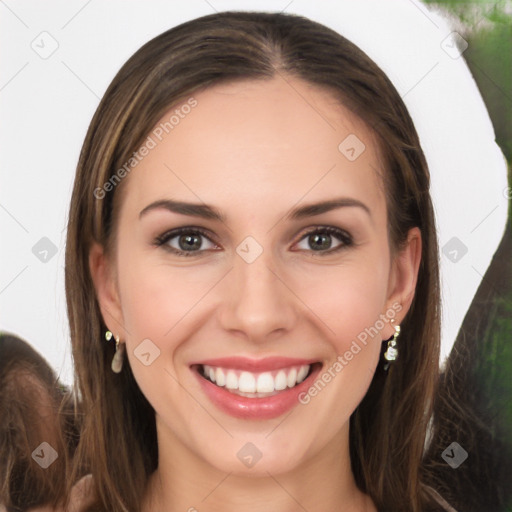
(258, 302)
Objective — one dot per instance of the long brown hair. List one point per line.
(388, 428)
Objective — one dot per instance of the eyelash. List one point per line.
(161, 240)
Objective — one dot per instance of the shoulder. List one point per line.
(439, 499)
(82, 496)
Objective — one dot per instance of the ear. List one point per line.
(403, 278)
(105, 284)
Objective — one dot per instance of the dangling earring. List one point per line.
(391, 352)
(117, 361)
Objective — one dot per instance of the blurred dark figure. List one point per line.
(34, 409)
(473, 406)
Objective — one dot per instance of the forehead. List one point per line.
(257, 141)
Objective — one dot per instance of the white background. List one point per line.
(46, 105)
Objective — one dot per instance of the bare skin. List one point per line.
(255, 150)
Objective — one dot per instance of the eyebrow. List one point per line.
(209, 212)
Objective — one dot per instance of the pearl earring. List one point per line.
(117, 361)
(391, 352)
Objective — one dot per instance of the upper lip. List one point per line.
(255, 365)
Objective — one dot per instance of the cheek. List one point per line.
(348, 298)
(156, 297)
(157, 303)
(349, 303)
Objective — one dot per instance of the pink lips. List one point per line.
(255, 408)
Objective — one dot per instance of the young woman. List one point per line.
(251, 248)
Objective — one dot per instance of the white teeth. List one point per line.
(231, 380)
(247, 382)
(256, 384)
(220, 377)
(292, 378)
(301, 374)
(265, 383)
(281, 382)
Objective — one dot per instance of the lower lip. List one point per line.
(255, 408)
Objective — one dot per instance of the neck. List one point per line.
(185, 482)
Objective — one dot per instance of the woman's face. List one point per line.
(275, 291)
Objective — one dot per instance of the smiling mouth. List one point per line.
(256, 384)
